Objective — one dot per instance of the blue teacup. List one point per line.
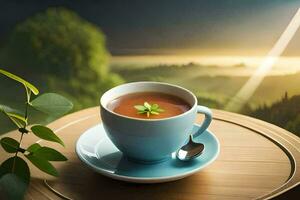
(151, 140)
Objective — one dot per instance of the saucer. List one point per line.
(96, 150)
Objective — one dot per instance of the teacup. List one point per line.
(151, 140)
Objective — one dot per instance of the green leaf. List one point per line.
(15, 121)
(147, 105)
(18, 119)
(8, 109)
(140, 107)
(160, 110)
(154, 113)
(49, 154)
(20, 80)
(20, 168)
(42, 164)
(154, 106)
(18, 123)
(12, 187)
(34, 147)
(17, 116)
(46, 133)
(12, 114)
(52, 104)
(149, 109)
(10, 145)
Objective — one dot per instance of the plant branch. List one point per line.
(28, 94)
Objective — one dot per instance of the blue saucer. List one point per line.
(96, 150)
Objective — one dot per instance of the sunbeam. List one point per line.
(248, 89)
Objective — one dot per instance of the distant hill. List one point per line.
(214, 82)
(284, 113)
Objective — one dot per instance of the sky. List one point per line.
(189, 27)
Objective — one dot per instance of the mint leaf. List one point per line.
(154, 106)
(160, 110)
(153, 109)
(139, 107)
(147, 105)
(154, 113)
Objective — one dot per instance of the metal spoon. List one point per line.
(190, 151)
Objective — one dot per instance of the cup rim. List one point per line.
(150, 120)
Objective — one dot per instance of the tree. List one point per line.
(68, 52)
(284, 113)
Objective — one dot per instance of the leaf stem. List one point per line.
(28, 94)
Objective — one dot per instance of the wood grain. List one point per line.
(257, 161)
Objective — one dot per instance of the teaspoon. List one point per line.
(190, 151)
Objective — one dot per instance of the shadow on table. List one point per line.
(82, 183)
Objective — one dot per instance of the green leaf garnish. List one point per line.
(149, 109)
(139, 108)
(147, 105)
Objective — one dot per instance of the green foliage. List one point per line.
(17, 166)
(62, 52)
(43, 164)
(49, 154)
(284, 113)
(52, 104)
(11, 187)
(39, 156)
(10, 145)
(7, 109)
(34, 147)
(294, 125)
(17, 119)
(58, 51)
(20, 80)
(61, 43)
(13, 117)
(46, 133)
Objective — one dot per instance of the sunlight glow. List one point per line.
(246, 92)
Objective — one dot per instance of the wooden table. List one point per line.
(257, 160)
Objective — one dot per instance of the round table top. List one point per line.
(257, 160)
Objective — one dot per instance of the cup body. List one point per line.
(148, 140)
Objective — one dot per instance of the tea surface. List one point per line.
(171, 105)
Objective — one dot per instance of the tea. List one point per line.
(149, 105)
